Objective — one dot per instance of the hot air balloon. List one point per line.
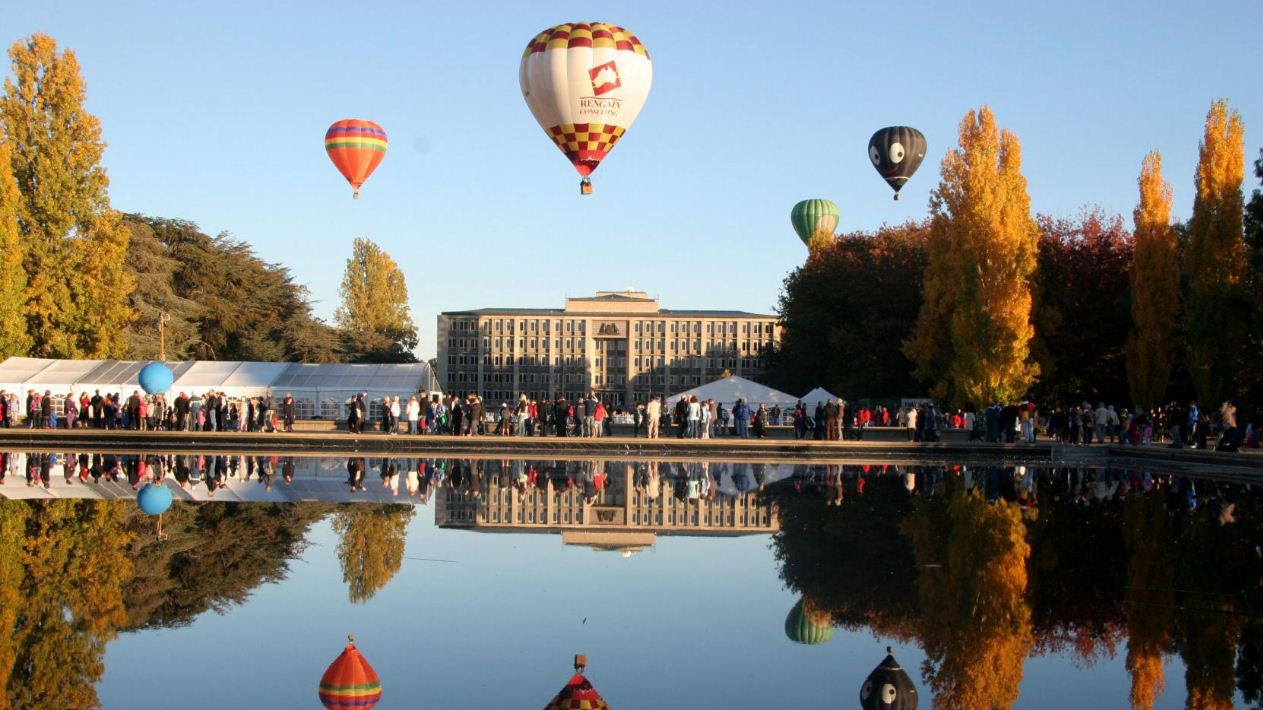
(356, 147)
(888, 687)
(154, 499)
(578, 693)
(814, 221)
(350, 681)
(896, 152)
(806, 626)
(156, 378)
(585, 83)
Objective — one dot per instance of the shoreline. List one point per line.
(622, 447)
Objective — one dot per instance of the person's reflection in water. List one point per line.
(355, 474)
(390, 476)
(267, 471)
(287, 469)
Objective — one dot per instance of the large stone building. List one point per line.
(619, 344)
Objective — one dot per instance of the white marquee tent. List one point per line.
(819, 395)
(729, 389)
(319, 389)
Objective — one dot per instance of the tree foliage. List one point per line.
(847, 309)
(1254, 277)
(73, 251)
(1155, 288)
(1080, 315)
(371, 546)
(973, 332)
(1215, 258)
(374, 314)
(13, 337)
(225, 302)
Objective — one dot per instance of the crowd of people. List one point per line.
(212, 411)
(589, 416)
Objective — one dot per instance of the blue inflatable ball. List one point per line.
(156, 378)
(154, 499)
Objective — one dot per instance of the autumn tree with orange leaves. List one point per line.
(1155, 288)
(1215, 259)
(972, 335)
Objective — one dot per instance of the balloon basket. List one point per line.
(356, 195)
(585, 187)
(896, 196)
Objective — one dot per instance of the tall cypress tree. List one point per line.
(1155, 288)
(972, 337)
(1215, 258)
(76, 294)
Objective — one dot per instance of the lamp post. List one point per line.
(162, 335)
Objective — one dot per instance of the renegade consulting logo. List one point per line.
(604, 78)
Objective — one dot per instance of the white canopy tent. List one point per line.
(728, 390)
(320, 389)
(819, 395)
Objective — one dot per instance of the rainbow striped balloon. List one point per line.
(350, 682)
(356, 147)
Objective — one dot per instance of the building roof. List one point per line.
(664, 312)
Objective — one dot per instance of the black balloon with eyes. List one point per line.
(888, 687)
(896, 152)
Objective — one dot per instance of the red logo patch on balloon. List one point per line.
(604, 78)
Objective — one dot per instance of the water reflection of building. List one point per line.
(620, 506)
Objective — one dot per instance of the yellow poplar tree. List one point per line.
(1215, 258)
(75, 287)
(1155, 288)
(972, 336)
(374, 313)
(371, 545)
(13, 337)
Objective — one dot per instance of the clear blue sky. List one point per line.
(215, 112)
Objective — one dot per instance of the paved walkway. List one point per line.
(872, 449)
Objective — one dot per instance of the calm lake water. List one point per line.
(471, 584)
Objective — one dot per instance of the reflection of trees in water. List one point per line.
(1206, 634)
(975, 625)
(854, 564)
(215, 555)
(1076, 581)
(1171, 565)
(1150, 595)
(371, 545)
(63, 571)
(75, 572)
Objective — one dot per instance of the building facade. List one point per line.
(634, 506)
(619, 344)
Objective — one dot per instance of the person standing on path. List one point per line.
(653, 412)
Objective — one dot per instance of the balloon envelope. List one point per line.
(585, 83)
(815, 218)
(577, 693)
(350, 682)
(156, 378)
(896, 152)
(356, 147)
(800, 628)
(154, 499)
